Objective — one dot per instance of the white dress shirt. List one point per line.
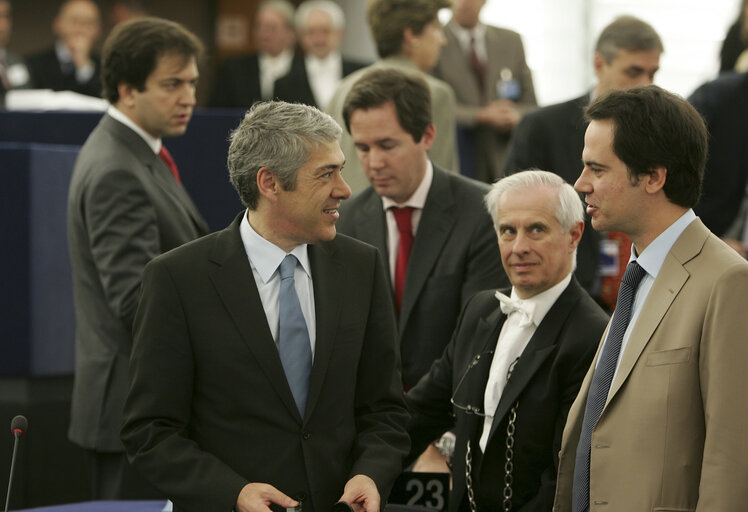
(324, 76)
(271, 69)
(265, 258)
(512, 341)
(154, 143)
(417, 202)
(478, 34)
(651, 260)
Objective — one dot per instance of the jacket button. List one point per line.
(306, 435)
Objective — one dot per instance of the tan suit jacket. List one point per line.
(672, 435)
(504, 51)
(444, 150)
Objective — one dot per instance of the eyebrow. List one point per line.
(591, 163)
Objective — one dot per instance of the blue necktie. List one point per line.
(601, 381)
(293, 336)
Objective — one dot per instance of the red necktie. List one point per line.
(476, 65)
(169, 161)
(403, 219)
(610, 284)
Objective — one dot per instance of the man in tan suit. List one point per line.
(660, 420)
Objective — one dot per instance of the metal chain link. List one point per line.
(508, 465)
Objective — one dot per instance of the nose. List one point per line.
(582, 185)
(521, 243)
(441, 37)
(375, 158)
(341, 190)
(189, 97)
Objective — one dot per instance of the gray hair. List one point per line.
(283, 7)
(627, 33)
(329, 7)
(569, 209)
(280, 136)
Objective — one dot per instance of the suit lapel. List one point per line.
(437, 220)
(157, 168)
(235, 284)
(325, 263)
(373, 227)
(486, 336)
(665, 289)
(540, 346)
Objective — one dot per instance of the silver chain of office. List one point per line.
(508, 464)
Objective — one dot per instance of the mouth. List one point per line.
(522, 266)
(591, 209)
(332, 212)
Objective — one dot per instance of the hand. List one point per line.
(501, 114)
(80, 50)
(362, 494)
(431, 461)
(257, 497)
(739, 246)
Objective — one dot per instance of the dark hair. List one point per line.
(388, 20)
(627, 33)
(651, 128)
(407, 91)
(132, 50)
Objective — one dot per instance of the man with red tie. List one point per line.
(126, 205)
(429, 225)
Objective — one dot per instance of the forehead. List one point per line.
(324, 155)
(646, 59)
(377, 122)
(79, 9)
(317, 18)
(528, 205)
(174, 64)
(598, 139)
(270, 15)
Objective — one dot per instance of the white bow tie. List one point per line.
(510, 305)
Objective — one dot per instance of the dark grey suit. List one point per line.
(454, 255)
(544, 381)
(552, 139)
(209, 408)
(124, 208)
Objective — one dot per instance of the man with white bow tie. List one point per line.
(517, 358)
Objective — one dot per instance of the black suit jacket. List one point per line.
(544, 382)
(723, 103)
(454, 255)
(238, 81)
(47, 72)
(209, 407)
(552, 139)
(294, 87)
(124, 209)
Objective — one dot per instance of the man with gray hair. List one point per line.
(264, 372)
(319, 27)
(627, 54)
(245, 79)
(517, 357)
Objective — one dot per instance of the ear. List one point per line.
(655, 181)
(409, 37)
(576, 235)
(599, 62)
(429, 134)
(267, 184)
(126, 95)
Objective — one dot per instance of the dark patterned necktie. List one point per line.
(601, 381)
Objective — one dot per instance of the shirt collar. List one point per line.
(463, 35)
(652, 258)
(117, 114)
(279, 60)
(543, 301)
(332, 61)
(418, 198)
(63, 52)
(265, 256)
